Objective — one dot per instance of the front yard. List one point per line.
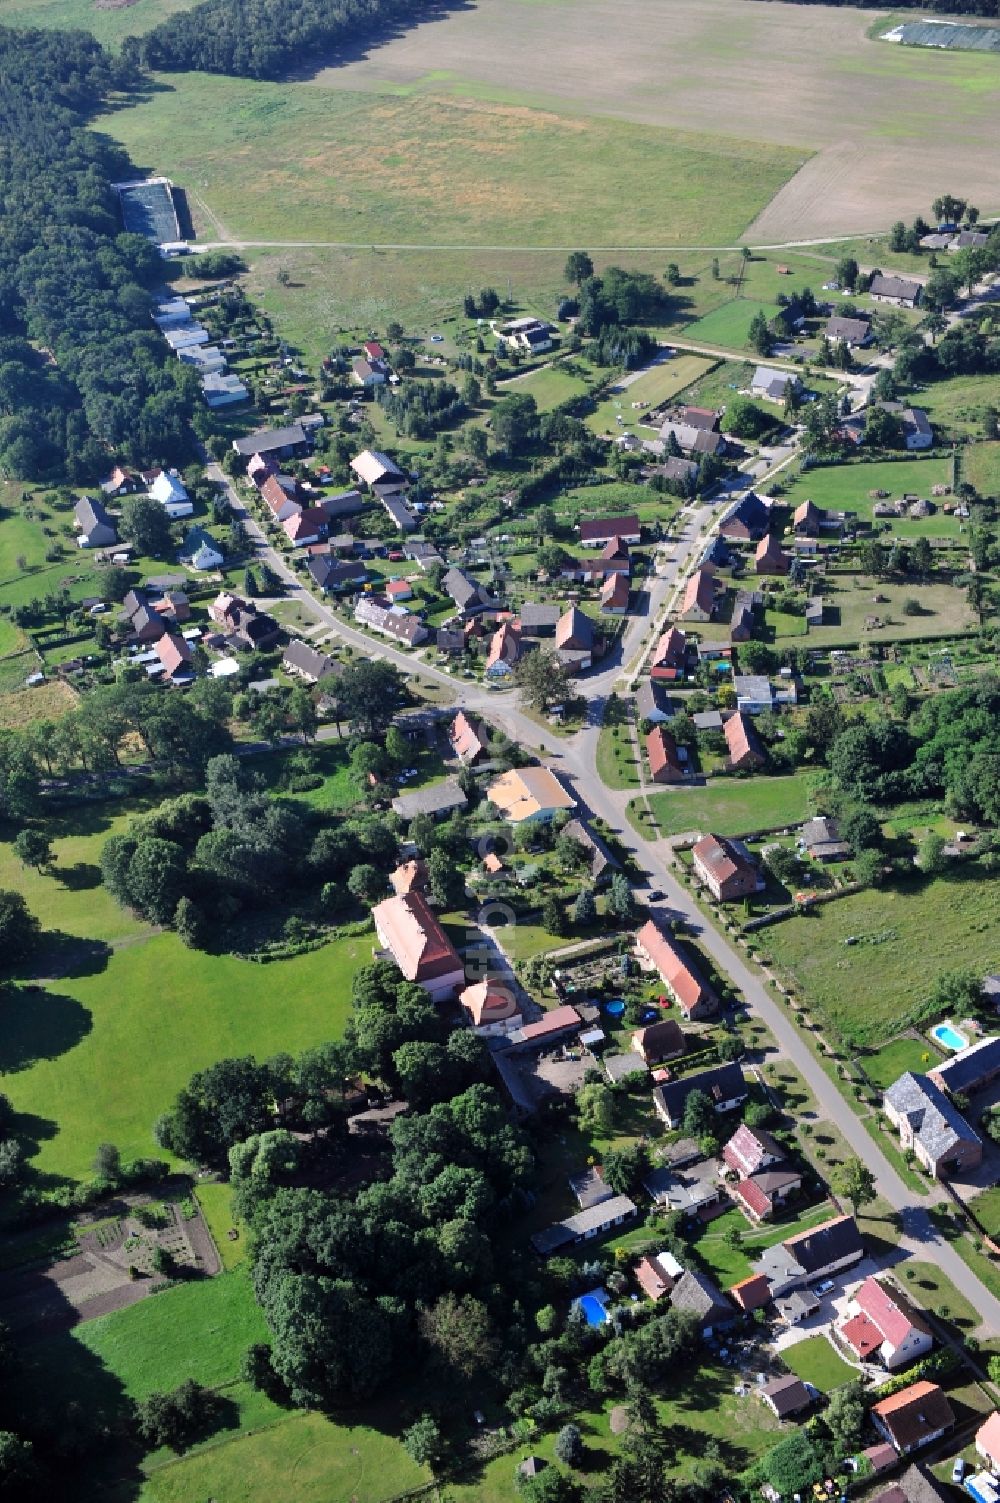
(733, 806)
(815, 1361)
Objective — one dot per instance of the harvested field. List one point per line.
(697, 63)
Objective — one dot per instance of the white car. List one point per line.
(958, 1470)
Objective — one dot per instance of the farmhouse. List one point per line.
(854, 332)
(748, 520)
(882, 1324)
(367, 373)
(820, 839)
(726, 867)
(539, 619)
(175, 657)
(652, 702)
(899, 291)
(505, 649)
(168, 490)
(468, 740)
(615, 595)
(698, 603)
(241, 619)
(306, 526)
(374, 468)
(595, 1221)
(96, 529)
(575, 640)
(145, 623)
(390, 620)
(917, 430)
(807, 520)
(746, 754)
(750, 1150)
(914, 1417)
(700, 417)
(409, 931)
(596, 532)
(931, 1126)
(274, 443)
(760, 1195)
(615, 558)
(555, 1024)
(529, 793)
(602, 863)
(673, 468)
(332, 575)
(680, 976)
(469, 595)
(668, 762)
(692, 439)
(970, 1069)
(771, 384)
(659, 1041)
(722, 1084)
(770, 557)
(307, 662)
(814, 1254)
(200, 551)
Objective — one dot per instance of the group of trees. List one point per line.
(71, 282)
(420, 408)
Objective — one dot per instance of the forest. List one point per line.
(83, 373)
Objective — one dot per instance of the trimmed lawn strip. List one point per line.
(215, 1197)
(815, 1361)
(734, 806)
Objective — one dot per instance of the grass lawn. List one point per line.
(369, 167)
(727, 1264)
(981, 468)
(655, 386)
(215, 1197)
(933, 1289)
(850, 601)
(616, 757)
(98, 1057)
(815, 1361)
(987, 1208)
(845, 487)
(893, 1060)
(729, 325)
(957, 406)
(904, 939)
(109, 24)
(549, 386)
(733, 806)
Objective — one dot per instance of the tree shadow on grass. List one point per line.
(39, 1024)
(80, 877)
(61, 954)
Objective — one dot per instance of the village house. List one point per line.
(615, 558)
(334, 575)
(988, 1441)
(467, 738)
(914, 1417)
(528, 334)
(469, 595)
(306, 526)
(597, 532)
(168, 489)
(770, 557)
(669, 655)
(373, 468)
(602, 863)
(538, 619)
(659, 1041)
(175, 657)
(552, 1027)
(491, 1008)
(674, 468)
(279, 493)
(96, 529)
(786, 1396)
(931, 1126)
(223, 388)
(689, 437)
(575, 640)
(881, 1324)
(615, 594)
(815, 1254)
(726, 868)
(899, 291)
(505, 649)
(200, 551)
(754, 693)
(652, 702)
(854, 332)
(343, 504)
(695, 1291)
(253, 629)
(393, 621)
(410, 876)
(807, 519)
(668, 762)
(917, 430)
(595, 1221)
(397, 591)
(820, 839)
(693, 1190)
(722, 1084)
(438, 801)
(657, 1274)
(760, 1195)
(772, 384)
(529, 794)
(121, 482)
(746, 753)
(700, 591)
(145, 624)
(412, 935)
(741, 622)
(751, 1150)
(747, 520)
(309, 663)
(681, 977)
(368, 373)
(751, 1294)
(700, 417)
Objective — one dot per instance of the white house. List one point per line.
(169, 490)
(881, 1324)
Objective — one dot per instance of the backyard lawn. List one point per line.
(815, 1361)
(981, 468)
(733, 806)
(215, 1197)
(893, 1060)
(729, 325)
(868, 961)
(658, 384)
(549, 386)
(728, 1264)
(850, 601)
(845, 487)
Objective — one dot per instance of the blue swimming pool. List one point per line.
(614, 1009)
(592, 1306)
(949, 1037)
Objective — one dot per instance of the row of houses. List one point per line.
(190, 342)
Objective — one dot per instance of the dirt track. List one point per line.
(892, 126)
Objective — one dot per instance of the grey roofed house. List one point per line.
(814, 611)
(786, 1395)
(440, 798)
(770, 382)
(400, 513)
(720, 1083)
(708, 720)
(652, 702)
(96, 527)
(970, 1068)
(334, 574)
(468, 594)
(451, 640)
(832, 1245)
(916, 423)
(687, 1190)
(693, 440)
(601, 859)
(696, 1291)
(620, 1066)
(310, 664)
(894, 289)
(538, 618)
(853, 331)
(280, 441)
(673, 468)
(820, 837)
(968, 240)
(589, 1188)
(423, 553)
(592, 1222)
(916, 1485)
(749, 517)
(937, 1126)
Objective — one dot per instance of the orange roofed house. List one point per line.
(668, 762)
(699, 597)
(467, 740)
(680, 976)
(491, 1007)
(529, 793)
(408, 929)
(914, 1417)
(746, 754)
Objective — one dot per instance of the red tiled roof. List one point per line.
(650, 1279)
(464, 737)
(411, 876)
(615, 592)
(862, 1335)
(747, 1150)
(741, 738)
(752, 1293)
(677, 972)
(700, 593)
(890, 1313)
(553, 1022)
(596, 529)
(173, 652)
(752, 1197)
(488, 1002)
(419, 945)
(720, 857)
(505, 644)
(663, 753)
(670, 649)
(988, 1437)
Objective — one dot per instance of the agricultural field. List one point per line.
(342, 165)
(957, 406)
(729, 326)
(109, 22)
(866, 963)
(733, 806)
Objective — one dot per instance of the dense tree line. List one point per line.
(264, 38)
(943, 7)
(71, 283)
(420, 408)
